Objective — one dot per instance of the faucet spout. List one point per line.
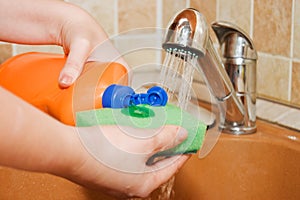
(230, 79)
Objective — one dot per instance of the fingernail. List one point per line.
(66, 80)
(181, 135)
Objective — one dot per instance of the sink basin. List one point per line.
(265, 165)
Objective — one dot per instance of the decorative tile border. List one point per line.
(278, 113)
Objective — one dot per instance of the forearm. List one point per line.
(30, 139)
(32, 22)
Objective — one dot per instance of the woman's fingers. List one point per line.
(170, 136)
(144, 141)
(79, 51)
(161, 172)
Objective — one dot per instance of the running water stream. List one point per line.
(176, 78)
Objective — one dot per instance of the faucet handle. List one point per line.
(239, 59)
(234, 42)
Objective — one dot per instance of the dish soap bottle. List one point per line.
(34, 76)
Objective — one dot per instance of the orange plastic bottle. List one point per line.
(34, 77)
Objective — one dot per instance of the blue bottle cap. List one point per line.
(118, 96)
(157, 96)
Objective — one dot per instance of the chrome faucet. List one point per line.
(230, 79)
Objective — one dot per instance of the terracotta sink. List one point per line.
(265, 165)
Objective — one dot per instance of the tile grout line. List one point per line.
(274, 56)
(14, 49)
(251, 18)
(291, 52)
(188, 4)
(292, 30)
(159, 26)
(217, 10)
(159, 8)
(116, 17)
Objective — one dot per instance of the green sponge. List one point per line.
(144, 116)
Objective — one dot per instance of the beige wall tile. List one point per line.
(136, 14)
(207, 8)
(271, 34)
(101, 10)
(138, 51)
(170, 8)
(140, 58)
(272, 26)
(273, 78)
(236, 12)
(5, 52)
(295, 99)
(297, 30)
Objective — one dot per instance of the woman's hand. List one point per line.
(52, 22)
(78, 36)
(36, 142)
(109, 159)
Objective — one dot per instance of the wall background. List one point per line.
(274, 26)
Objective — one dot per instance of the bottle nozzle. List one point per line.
(119, 96)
